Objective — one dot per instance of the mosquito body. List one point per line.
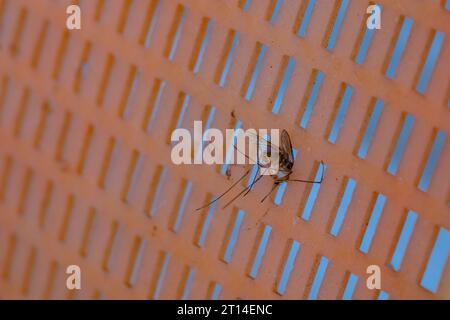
(286, 164)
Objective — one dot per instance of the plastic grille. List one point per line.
(86, 176)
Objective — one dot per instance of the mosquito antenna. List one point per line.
(312, 181)
(228, 190)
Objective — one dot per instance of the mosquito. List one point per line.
(286, 164)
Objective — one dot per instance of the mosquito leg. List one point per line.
(275, 185)
(240, 193)
(228, 190)
(312, 181)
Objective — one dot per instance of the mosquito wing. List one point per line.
(286, 146)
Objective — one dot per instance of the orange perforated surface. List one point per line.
(86, 176)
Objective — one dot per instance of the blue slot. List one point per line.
(337, 24)
(251, 86)
(155, 107)
(234, 236)
(216, 291)
(135, 176)
(364, 47)
(430, 166)
(276, 11)
(318, 279)
(176, 40)
(289, 265)
(188, 284)
(350, 287)
(447, 5)
(306, 19)
(371, 128)
(152, 26)
(284, 84)
(206, 223)
(229, 59)
(158, 192)
(399, 47)
(312, 99)
(212, 112)
(132, 94)
(184, 200)
(260, 253)
(306, 215)
(339, 121)
(183, 111)
(373, 223)
(343, 207)
(162, 275)
(401, 144)
(202, 50)
(383, 295)
(403, 241)
(437, 261)
(430, 62)
(230, 150)
(282, 187)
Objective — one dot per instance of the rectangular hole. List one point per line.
(6, 175)
(404, 31)
(86, 146)
(4, 86)
(208, 113)
(253, 71)
(131, 86)
(9, 257)
(318, 279)
(83, 68)
(132, 175)
(109, 64)
(25, 190)
(99, 10)
(230, 150)
(36, 56)
(188, 278)
(282, 187)
(364, 39)
(227, 57)
(437, 261)
(67, 217)
(150, 23)
(14, 47)
(111, 154)
(232, 235)
(111, 245)
(214, 290)
(153, 105)
(60, 54)
(313, 193)
(86, 239)
(350, 287)
(287, 68)
(28, 274)
(335, 24)
(305, 17)
(200, 45)
(433, 158)
(289, 259)
(66, 124)
(371, 228)
(180, 111)
(403, 240)
(45, 203)
(121, 24)
(136, 257)
(174, 35)
(369, 133)
(205, 221)
(50, 283)
(274, 10)
(263, 240)
(177, 217)
(339, 115)
(42, 124)
(159, 275)
(343, 207)
(310, 99)
(408, 122)
(21, 112)
(155, 191)
(244, 4)
(383, 295)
